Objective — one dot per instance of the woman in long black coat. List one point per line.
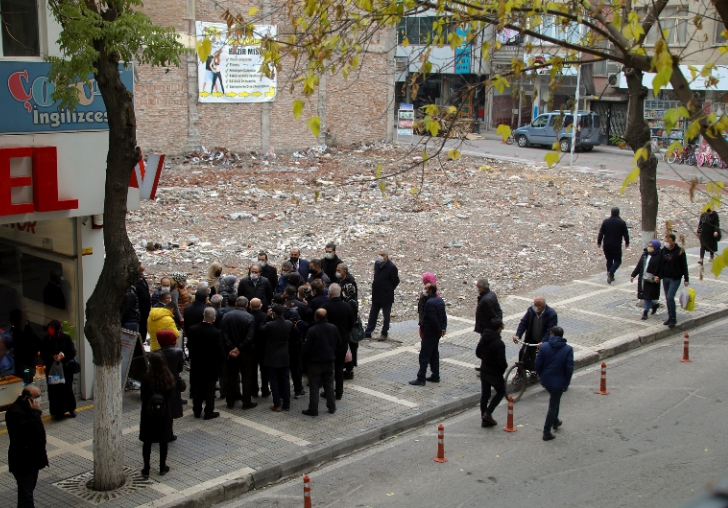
(648, 290)
(176, 363)
(709, 233)
(58, 347)
(156, 428)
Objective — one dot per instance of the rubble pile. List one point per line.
(520, 226)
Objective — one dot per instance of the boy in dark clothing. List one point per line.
(492, 353)
(673, 267)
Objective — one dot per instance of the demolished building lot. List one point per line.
(521, 226)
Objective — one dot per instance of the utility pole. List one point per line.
(575, 119)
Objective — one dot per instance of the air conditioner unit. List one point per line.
(613, 79)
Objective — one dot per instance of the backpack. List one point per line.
(157, 406)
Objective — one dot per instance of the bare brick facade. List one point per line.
(170, 118)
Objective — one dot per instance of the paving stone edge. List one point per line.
(236, 487)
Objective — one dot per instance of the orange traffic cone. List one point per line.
(686, 350)
(603, 384)
(306, 492)
(440, 444)
(509, 425)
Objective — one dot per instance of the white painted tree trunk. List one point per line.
(108, 441)
(646, 237)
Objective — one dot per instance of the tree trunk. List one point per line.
(637, 135)
(120, 270)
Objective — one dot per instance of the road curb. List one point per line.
(258, 479)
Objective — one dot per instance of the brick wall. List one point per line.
(356, 110)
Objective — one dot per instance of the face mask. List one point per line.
(380, 259)
(254, 277)
(294, 260)
(262, 263)
(51, 331)
(650, 249)
(284, 274)
(329, 255)
(338, 275)
(166, 288)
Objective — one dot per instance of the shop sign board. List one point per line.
(405, 119)
(25, 93)
(231, 72)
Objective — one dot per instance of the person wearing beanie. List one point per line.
(611, 233)
(648, 290)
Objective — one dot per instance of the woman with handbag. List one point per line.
(175, 362)
(58, 347)
(648, 289)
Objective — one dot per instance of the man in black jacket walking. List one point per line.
(673, 268)
(488, 306)
(434, 325)
(341, 315)
(319, 350)
(238, 332)
(611, 233)
(386, 280)
(492, 353)
(27, 451)
(206, 358)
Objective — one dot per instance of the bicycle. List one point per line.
(519, 376)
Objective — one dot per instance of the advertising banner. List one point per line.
(28, 107)
(231, 73)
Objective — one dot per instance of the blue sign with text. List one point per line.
(28, 107)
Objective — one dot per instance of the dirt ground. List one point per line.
(519, 226)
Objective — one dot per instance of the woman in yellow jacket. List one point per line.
(161, 318)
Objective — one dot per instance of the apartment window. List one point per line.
(606, 67)
(418, 30)
(552, 27)
(19, 21)
(675, 21)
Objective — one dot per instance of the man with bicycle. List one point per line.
(536, 324)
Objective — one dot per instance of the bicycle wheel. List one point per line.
(515, 382)
(671, 158)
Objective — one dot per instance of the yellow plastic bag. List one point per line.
(687, 299)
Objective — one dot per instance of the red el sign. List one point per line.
(44, 182)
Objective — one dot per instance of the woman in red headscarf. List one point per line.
(58, 347)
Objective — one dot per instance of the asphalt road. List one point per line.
(607, 160)
(654, 441)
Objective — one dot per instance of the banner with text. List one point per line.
(231, 73)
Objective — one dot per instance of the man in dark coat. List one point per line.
(130, 314)
(493, 363)
(434, 325)
(299, 265)
(555, 366)
(350, 294)
(145, 306)
(316, 272)
(613, 230)
(536, 324)
(330, 261)
(709, 233)
(267, 270)
(291, 302)
(317, 299)
(277, 335)
(386, 280)
(341, 315)
(27, 450)
(194, 312)
(673, 267)
(260, 317)
(256, 286)
(488, 306)
(647, 267)
(206, 358)
(319, 351)
(238, 332)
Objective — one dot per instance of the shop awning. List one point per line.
(720, 73)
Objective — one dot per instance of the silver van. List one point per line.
(551, 127)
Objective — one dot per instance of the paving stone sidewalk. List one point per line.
(219, 459)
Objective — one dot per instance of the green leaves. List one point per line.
(631, 178)
(297, 109)
(551, 158)
(314, 125)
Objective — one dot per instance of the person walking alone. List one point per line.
(492, 353)
(709, 233)
(434, 326)
(613, 230)
(648, 290)
(555, 366)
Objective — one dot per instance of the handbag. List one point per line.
(357, 333)
(648, 277)
(182, 384)
(74, 365)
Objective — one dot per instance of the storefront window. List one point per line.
(19, 20)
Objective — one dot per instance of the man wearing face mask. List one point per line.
(165, 286)
(255, 286)
(316, 272)
(386, 280)
(299, 265)
(267, 270)
(673, 267)
(330, 261)
(536, 324)
(283, 281)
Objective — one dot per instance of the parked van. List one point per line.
(556, 126)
